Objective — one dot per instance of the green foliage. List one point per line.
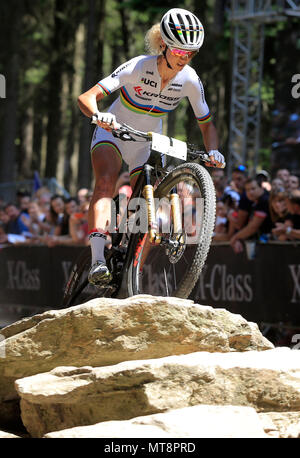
(53, 35)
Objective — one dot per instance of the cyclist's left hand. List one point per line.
(216, 159)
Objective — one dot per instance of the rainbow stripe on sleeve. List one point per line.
(205, 118)
(104, 89)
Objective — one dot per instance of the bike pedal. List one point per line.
(102, 287)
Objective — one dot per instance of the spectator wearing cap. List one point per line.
(259, 216)
(264, 178)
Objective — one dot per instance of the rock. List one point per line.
(106, 331)
(197, 422)
(6, 435)
(281, 424)
(70, 396)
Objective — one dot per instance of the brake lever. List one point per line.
(204, 157)
(123, 134)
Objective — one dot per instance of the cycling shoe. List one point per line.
(99, 274)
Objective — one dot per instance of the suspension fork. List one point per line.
(176, 212)
(148, 193)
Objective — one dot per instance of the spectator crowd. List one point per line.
(49, 219)
(255, 208)
(258, 208)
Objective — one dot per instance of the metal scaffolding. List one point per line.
(249, 19)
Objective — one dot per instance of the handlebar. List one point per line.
(128, 133)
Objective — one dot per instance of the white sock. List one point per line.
(97, 241)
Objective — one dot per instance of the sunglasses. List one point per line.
(181, 52)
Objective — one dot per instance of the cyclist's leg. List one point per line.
(106, 162)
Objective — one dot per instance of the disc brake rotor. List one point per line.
(175, 247)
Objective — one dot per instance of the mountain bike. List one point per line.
(160, 238)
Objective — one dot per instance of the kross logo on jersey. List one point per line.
(138, 89)
(120, 69)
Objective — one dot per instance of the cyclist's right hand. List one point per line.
(105, 120)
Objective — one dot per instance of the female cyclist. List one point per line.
(151, 86)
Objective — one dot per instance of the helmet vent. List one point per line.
(175, 31)
(165, 31)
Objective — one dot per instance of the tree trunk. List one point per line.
(36, 159)
(84, 168)
(70, 144)
(11, 68)
(25, 170)
(125, 31)
(60, 40)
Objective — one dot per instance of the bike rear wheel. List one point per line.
(163, 271)
(78, 289)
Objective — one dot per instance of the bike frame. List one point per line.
(144, 187)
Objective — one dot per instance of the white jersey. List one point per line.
(142, 104)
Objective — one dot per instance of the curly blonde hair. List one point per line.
(153, 40)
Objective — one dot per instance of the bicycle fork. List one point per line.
(148, 192)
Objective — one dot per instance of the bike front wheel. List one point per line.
(172, 268)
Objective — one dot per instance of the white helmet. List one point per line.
(181, 29)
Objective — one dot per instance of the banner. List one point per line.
(263, 288)
(35, 275)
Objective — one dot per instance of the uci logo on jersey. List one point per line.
(148, 81)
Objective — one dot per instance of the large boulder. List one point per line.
(196, 422)
(281, 424)
(69, 396)
(104, 332)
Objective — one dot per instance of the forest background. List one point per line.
(53, 50)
